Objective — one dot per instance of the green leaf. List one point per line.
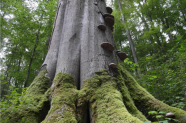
(162, 113)
(4, 83)
(159, 116)
(165, 121)
(153, 112)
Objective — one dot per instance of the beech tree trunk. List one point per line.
(75, 83)
(75, 46)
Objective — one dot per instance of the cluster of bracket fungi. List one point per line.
(110, 20)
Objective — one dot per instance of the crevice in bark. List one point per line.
(79, 81)
(44, 111)
(54, 23)
(145, 111)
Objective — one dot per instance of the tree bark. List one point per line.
(77, 39)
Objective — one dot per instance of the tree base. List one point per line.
(110, 99)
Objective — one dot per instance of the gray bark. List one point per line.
(75, 46)
(52, 55)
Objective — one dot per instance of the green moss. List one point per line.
(31, 104)
(128, 101)
(64, 95)
(107, 102)
(144, 99)
(101, 92)
(87, 91)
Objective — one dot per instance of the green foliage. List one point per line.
(161, 117)
(22, 108)
(27, 26)
(158, 31)
(13, 99)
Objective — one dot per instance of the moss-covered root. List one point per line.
(31, 104)
(143, 99)
(107, 104)
(128, 101)
(105, 100)
(87, 91)
(64, 95)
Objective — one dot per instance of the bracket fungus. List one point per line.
(170, 115)
(112, 65)
(109, 10)
(121, 55)
(108, 15)
(107, 46)
(110, 21)
(102, 27)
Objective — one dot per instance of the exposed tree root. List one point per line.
(64, 95)
(107, 103)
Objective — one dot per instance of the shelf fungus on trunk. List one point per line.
(109, 10)
(170, 115)
(107, 46)
(121, 55)
(112, 65)
(102, 27)
(109, 20)
(108, 15)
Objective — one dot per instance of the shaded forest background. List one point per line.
(157, 29)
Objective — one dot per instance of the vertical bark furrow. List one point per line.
(69, 47)
(93, 56)
(52, 55)
(76, 40)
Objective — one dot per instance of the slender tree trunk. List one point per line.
(130, 39)
(31, 58)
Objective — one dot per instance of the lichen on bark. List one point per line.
(31, 105)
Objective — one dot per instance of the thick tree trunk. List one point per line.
(74, 58)
(77, 39)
